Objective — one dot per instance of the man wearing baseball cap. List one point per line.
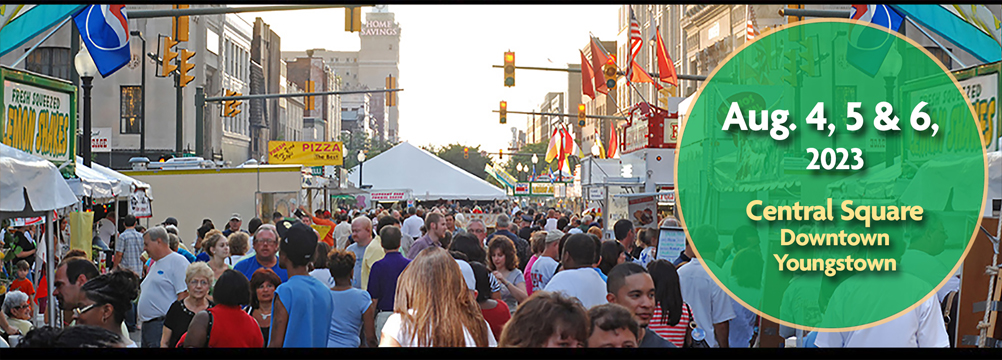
(303, 305)
(234, 225)
(546, 266)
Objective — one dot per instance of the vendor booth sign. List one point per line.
(139, 204)
(306, 153)
(643, 212)
(387, 196)
(39, 116)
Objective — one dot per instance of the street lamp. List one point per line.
(535, 159)
(361, 159)
(595, 151)
(142, 87)
(87, 69)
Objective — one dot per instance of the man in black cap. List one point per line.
(526, 231)
(303, 305)
(170, 221)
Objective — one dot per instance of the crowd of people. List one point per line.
(419, 277)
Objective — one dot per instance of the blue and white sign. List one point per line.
(105, 30)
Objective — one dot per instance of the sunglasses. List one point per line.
(21, 307)
(79, 311)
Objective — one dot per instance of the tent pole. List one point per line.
(50, 258)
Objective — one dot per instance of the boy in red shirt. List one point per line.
(22, 283)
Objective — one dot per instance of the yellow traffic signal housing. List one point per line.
(581, 115)
(309, 101)
(509, 68)
(504, 112)
(167, 66)
(185, 65)
(179, 25)
(808, 65)
(466, 153)
(352, 19)
(791, 67)
(609, 70)
(231, 105)
(391, 97)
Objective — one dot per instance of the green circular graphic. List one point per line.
(741, 157)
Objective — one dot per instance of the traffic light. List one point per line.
(500, 154)
(391, 97)
(609, 70)
(504, 112)
(509, 68)
(166, 66)
(808, 65)
(353, 19)
(310, 101)
(581, 115)
(230, 109)
(179, 25)
(791, 67)
(185, 65)
(466, 153)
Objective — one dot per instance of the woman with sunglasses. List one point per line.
(17, 310)
(106, 300)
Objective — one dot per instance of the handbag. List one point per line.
(698, 335)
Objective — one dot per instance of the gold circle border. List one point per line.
(977, 225)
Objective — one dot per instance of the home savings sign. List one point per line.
(38, 115)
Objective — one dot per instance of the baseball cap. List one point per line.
(526, 218)
(235, 216)
(467, 270)
(170, 221)
(296, 240)
(553, 235)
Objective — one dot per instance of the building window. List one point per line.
(132, 109)
(51, 61)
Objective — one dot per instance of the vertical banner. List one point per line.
(81, 236)
(139, 204)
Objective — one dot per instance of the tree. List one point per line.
(453, 153)
(355, 141)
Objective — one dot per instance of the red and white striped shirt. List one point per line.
(675, 334)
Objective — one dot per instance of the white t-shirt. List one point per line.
(105, 230)
(551, 224)
(583, 283)
(710, 304)
(394, 328)
(341, 233)
(412, 226)
(542, 271)
(160, 287)
(921, 327)
(324, 275)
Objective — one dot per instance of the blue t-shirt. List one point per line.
(346, 319)
(249, 265)
(309, 304)
(202, 256)
(356, 279)
(599, 271)
(187, 255)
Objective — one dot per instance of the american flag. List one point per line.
(636, 43)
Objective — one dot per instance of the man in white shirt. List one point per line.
(711, 306)
(546, 265)
(413, 223)
(341, 232)
(106, 228)
(920, 328)
(578, 279)
(164, 284)
(551, 220)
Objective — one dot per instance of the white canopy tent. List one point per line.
(427, 176)
(127, 181)
(31, 186)
(93, 184)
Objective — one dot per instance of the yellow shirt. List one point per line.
(374, 252)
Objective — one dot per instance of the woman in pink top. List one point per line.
(538, 243)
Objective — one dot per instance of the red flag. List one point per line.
(587, 86)
(666, 68)
(598, 59)
(613, 142)
(639, 76)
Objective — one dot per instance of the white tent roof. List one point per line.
(406, 166)
(94, 184)
(20, 172)
(126, 180)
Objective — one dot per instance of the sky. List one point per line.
(446, 54)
